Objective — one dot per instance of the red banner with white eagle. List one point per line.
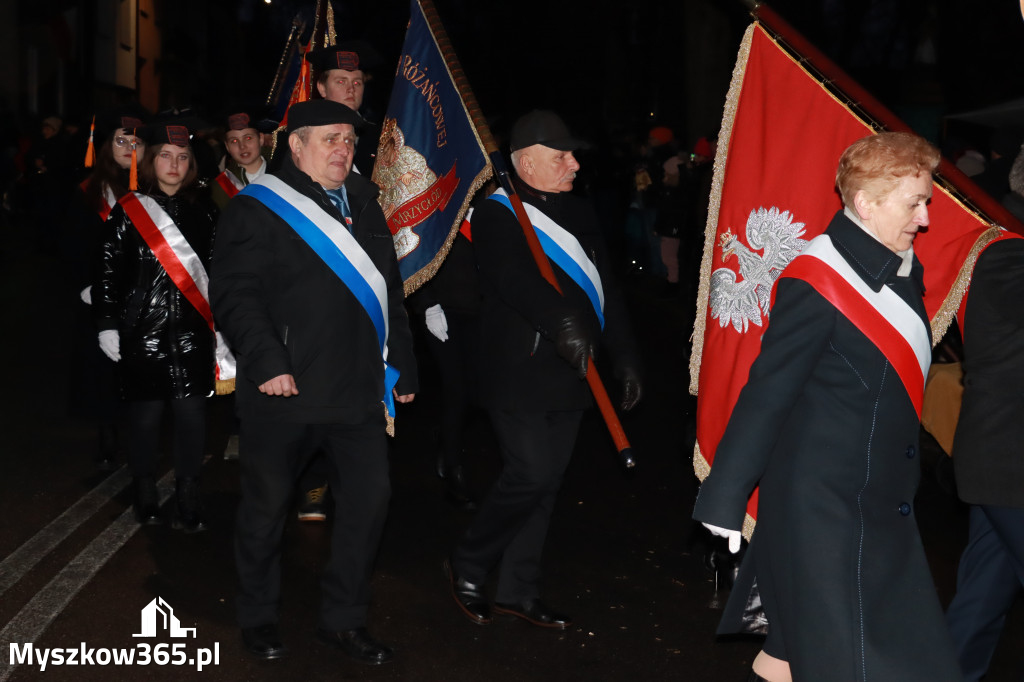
(783, 131)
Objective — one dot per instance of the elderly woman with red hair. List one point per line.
(828, 426)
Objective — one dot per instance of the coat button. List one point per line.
(911, 452)
(905, 509)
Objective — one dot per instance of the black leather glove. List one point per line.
(575, 342)
(632, 391)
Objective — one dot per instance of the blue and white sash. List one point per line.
(340, 251)
(565, 251)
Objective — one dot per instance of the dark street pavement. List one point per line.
(622, 555)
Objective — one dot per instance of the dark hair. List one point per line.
(106, 173)
(147, 174)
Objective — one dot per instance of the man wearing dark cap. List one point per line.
(535, 347)
(243, 139)
(341, 77)
(307, 290)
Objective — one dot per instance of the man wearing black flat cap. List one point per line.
(307, 290)
(535, 347)
(341, 76)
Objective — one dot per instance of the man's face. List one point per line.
(547, 169)
(326, 156)
(343, 86)
(244, 145)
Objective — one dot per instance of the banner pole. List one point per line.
(604, 404)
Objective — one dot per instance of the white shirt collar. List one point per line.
(258, 173)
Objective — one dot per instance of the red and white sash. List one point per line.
(885, 318)
(182, 264)
(230, 183)
(107, 199)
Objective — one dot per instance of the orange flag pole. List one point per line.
(604, 404)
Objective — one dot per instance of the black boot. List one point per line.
(106, 451)
(456, 489)
(147, 501)
(189, 506)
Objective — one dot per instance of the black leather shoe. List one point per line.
(358, 644)
(470, 598)
(147, 501)
(456, 490)
(535, 612)
(264, 641)
(188, 506)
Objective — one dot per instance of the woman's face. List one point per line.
(121, 145)
(898, 216)
(170, 167)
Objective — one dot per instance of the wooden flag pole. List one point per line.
(604, 403)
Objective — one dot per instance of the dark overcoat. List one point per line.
(826, 427)
(520, 312)
(987, 445)
(167, 347)
(284, 311)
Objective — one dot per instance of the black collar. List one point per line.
(872, 260)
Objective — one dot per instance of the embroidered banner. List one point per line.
(782, 134)
(430, 160)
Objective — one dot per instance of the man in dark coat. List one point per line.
(987, 456)
(309, 339)
(533, 357)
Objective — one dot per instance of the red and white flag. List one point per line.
(783, 131)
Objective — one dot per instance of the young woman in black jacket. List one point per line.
(162, 342)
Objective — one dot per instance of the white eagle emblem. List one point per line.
(747, 300)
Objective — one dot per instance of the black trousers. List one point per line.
(513, 520)
(189, 435)
(456, 359)
(989, 577)
(272, 455)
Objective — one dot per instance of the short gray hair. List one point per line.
(515, 156)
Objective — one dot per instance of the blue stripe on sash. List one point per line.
(563, 260)
(327, 251)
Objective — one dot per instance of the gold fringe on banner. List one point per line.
(947, 312)
(732, 101)
(224, 386)
(423, 275)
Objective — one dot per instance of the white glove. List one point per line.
(87, 295)
(733, 536)
(110, 344)
(436, 322)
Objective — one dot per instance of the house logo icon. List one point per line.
(158, 615)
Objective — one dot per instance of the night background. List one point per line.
(610, 68)
(625, 556)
